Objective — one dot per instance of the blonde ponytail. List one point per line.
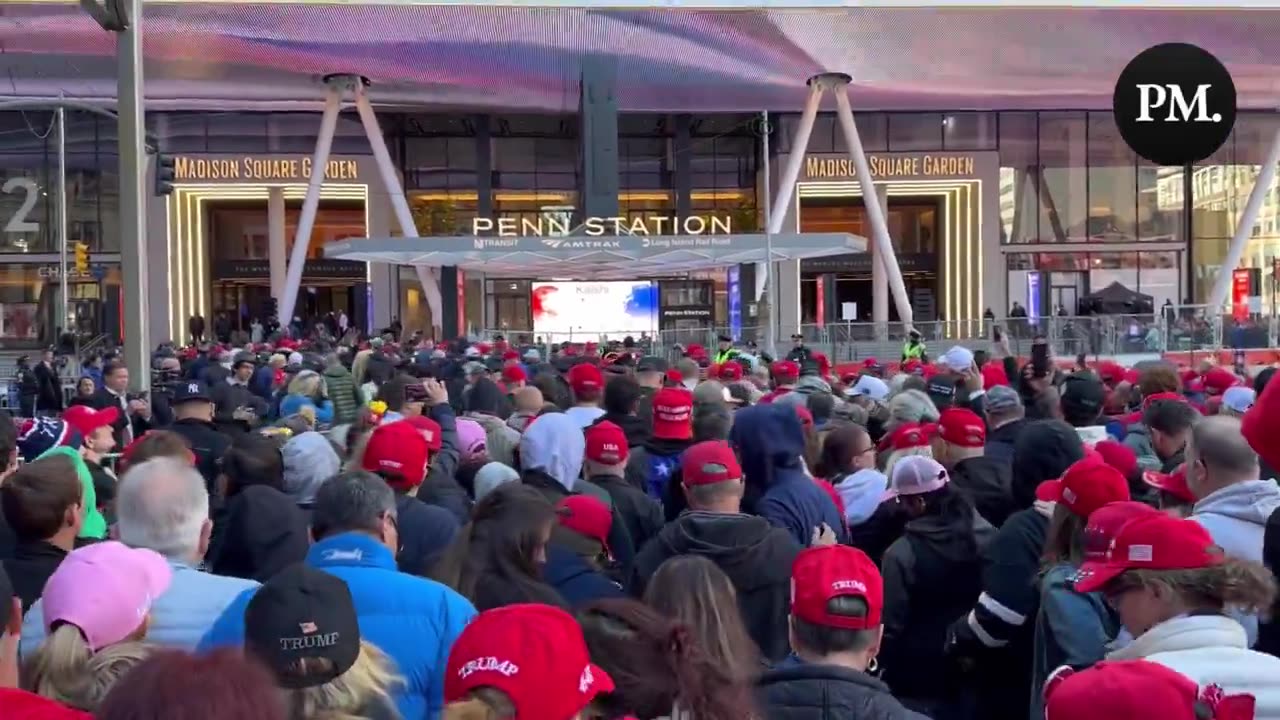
(481, 704)
(65, 669)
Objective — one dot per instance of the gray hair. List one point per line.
(711, 422)
(1218, 443)
(162, 505)
(911, 406)
(353, 501)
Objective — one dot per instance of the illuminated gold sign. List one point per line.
(556, 226)
(891, 166)
(195, 169)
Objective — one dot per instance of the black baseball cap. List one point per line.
(724, 338)
(651, 363)
(189, 391)
(1084, 390)
(303, 613)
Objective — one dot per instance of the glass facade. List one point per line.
(1075, 205)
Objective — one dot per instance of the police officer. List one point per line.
(800, 352)
(725, 351)
(914, 348)
(193, 409)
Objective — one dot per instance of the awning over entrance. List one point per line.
(622, 257)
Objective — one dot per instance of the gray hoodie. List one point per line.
(1236, 518)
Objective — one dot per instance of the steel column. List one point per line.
(311, 203)
(1266, 176)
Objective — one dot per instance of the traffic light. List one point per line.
(82, 257)
(164, 173)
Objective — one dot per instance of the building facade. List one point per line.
(985, 209)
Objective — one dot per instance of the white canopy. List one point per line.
(621, 257)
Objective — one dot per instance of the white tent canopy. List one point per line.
(609, 257)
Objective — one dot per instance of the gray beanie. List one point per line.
(493, 475)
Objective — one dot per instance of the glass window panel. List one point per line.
(184, 132)
(514, 155)
(969, 131)
(1064, 192)
(873, 131)
(915, 131)
(238, 132)
(1112, 183)
(1219, 195)
(1019, 178)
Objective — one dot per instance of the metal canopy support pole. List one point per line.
(311, 203)
(762, 269)
(838, 84)
(399, 204)
(133, 219)
(795, 159)
(62, 220)
(1266, 176)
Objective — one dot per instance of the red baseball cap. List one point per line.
(586, 516)
(1138, 688)
(430, 430)
(535, 654)
(606, 443)
(821, 574)
(963, 427)
(1151, 542)
(673, 414)
(1119, 456)
(510, 355)
(1086, 486)
(907, 436)
(709, 462)
(401, 451)
(85, 420)
(1218, 379)
(1106, 521)
(585, 378)
(785, 368)
(513, 374)
(730, 371)
(674, 377)
(1174, 483)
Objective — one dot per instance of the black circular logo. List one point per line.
(1175, 104)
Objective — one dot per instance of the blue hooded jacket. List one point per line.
(413, 620)
(770, 444)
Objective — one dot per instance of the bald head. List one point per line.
(528, 399)
(1218, 455)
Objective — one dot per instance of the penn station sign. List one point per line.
(251, 168)
(896, 166)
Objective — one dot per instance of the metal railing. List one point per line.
(1172, 329)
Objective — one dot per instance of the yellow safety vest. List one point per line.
(912, 352)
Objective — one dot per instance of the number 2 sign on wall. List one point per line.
(19, 223)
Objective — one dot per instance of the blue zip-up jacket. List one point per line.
(1071, 629)
(413, 620)
(770, 444)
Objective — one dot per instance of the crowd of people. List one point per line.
(386, 528)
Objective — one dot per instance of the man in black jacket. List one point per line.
(835, 630)
(135, 415)
(606, 463)
(959, 445)
(1006, 417)
(995, 638)
(753, 553)
(193, 410)
(42, 504)
(48, 386)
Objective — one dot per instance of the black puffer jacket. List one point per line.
(797, 690)
(987, 483)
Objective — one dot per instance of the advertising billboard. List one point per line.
(582, 311)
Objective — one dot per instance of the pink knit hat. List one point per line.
(471, 439)
(105, 589)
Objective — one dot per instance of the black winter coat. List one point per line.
(754, 554)
(987, 483)
(796, 690)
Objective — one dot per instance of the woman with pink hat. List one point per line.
(96, 608)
